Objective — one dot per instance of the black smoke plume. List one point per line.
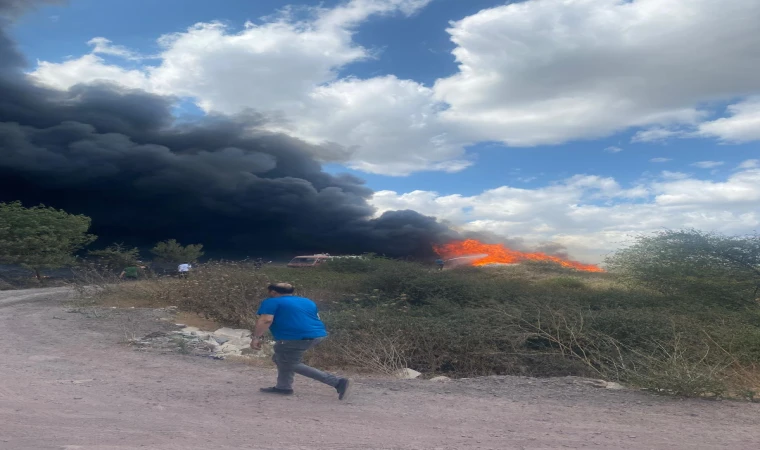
(120, 157)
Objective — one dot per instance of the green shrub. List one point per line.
(709, 268)
(115, 257)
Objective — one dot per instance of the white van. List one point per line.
(315, 260)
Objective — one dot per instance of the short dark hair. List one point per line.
(281, 288)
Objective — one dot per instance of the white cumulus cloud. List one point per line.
(708, 164)
(749, 164)
(530, 73)
(655, 134)
(742, 124)
(549, 71)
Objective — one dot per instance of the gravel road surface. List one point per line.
(68, 381)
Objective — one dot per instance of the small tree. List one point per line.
(172, 251)
(695, 263)
(39, 237)
(116, 257)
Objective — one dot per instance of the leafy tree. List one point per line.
(693, 263)
(116, 257)
(40, 237)
(172, 251)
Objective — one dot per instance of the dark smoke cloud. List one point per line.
(553, 249)
(14, 8)
(120, 157)
(518, 243)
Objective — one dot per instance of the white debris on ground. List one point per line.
(611, 385)
(440, 379)
(219, 344)
(225, 342)
(407, 374)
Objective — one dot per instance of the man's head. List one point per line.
(280, 289)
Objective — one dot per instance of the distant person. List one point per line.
(184, 270)
(258, 263)
(440, 263)
(295, 324)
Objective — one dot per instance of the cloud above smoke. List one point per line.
(530, 73)
(119, 156)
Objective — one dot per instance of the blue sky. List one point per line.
(543, 97)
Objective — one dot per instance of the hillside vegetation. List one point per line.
(681, 329)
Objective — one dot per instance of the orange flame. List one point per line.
(499, 254)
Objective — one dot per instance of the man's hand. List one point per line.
(262, 325)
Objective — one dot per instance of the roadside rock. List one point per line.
(232, 333)
(408, 374)
(599, 383)
(220, 344)
(228, 349)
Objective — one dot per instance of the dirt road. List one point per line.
(67, 381)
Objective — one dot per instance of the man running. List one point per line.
(295, 324)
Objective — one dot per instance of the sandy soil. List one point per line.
(70, 382)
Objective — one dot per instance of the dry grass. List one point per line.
(524, 320)
(372, 353)
(137, 294)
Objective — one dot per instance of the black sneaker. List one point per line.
(343, 388)
(274, 390)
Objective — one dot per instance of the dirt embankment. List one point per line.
(69, 382)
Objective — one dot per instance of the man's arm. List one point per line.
(262, 326)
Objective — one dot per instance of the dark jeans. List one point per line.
(288, 355)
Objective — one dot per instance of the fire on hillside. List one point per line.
(479, 254)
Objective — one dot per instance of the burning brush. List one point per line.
(476, 253)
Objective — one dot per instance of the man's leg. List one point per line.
(316, 374)
(288, 355)
(285, 373)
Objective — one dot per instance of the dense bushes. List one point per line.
(707, 267)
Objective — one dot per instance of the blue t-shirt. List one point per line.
(295, 318)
